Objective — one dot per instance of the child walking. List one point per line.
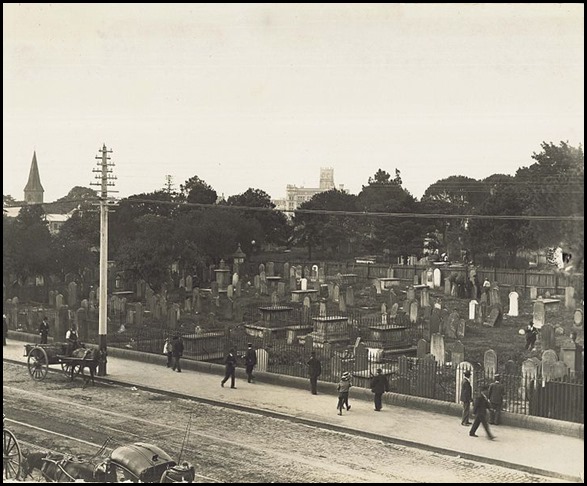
(343, 392)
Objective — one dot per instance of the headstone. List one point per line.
(529, 375)
(437, 348)
(539, 316)
(377, 285)
(430, 277)
(533, 293)
(510, 368)
(214, 287)
(578, 317)
(262, 277)
(416, 280)
(494, 298)
(547, 337)
(461, 327)
(52, 295)
(549, 358)
(307, 302)
(314, 273)
(308, 344)
(458, 353)
(472, 307)
(85, 304)
(560, 370)
(425, 297)
(321, 276)
(336, 293)
(411, 293)
(262, 360)
(281, 289)
(261, 268)
(459, 375)
(490, 363)
(235, 279)
(453, 322)
(304, 284)
(422, 348)
(571, 356)
(414, 308)
(444, 318)
(322, 309)
(270, 269)
(383, 308)
(435, 321)
(286, 270)
(230, 291)
(494, 317)
(570, 297)
(389, 273)
(58, 301)
(274, 299)
(189, 283)
(350, 296)
(437, 279)
(342, 304)
(238, 289)
(393, 310)
(447, 286)
(513, 307)
(138, 314)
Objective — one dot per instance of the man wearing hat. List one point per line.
(495, 395)
(379, 385)
(466, 397)
(250, 362)
(344, 387)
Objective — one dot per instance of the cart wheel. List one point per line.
(12, 456)
(38, 363)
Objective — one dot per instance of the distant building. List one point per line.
(295, 196)
(33, 194)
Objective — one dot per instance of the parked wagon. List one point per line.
(12, 456)
(72, 361)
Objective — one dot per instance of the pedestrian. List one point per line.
(480, 410)
(486, 286)
(44, 330)
(495, 395)
(250, 362)
(531, 333)
(230, 363)
(176, 353)
(168, 351)
(72, 339)
(314, 370)
(379, 385)
(343, 392)
(466, 397)
(5, 329)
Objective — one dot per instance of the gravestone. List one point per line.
(437, 348)
(377, 285)
(189, 283)
(437, 279)
(472, 308)
(389, 273)
(304, 284)
(453, 322)
(533, 293)
(549, 358)
(257, 282)
(571, 356)
(578, 317)
(444, 317)
(560, 370)
(308, 344)
(261, 268)
(513, 301)
(85, 304)
(336, 293)
(263, 288)
(461, 327)
(529, 375)
(58, 301)
(235, 279)
(321, 276)
(286, 270)
(447, 286)
(306, 302)
(494, 298)
(414, 312)
(342, 304)
(72, 294)
(293, 283)
(270, 269)
(361, 357)
(547, 337)
(539, 316)
(393, 298)
(230, 291)
(139, 314)
(393, 310)
(422, 348)
(262, 360)
(429, 278)
(214, 288)
(306, 271)
(435, 321)
(274, 299)
(570, 297)
(238, 289)
(281, 289)
(425, 297)
(141, 284)
(495, 317)
(458, 353)
(322, 312)
(416, 280)
(411, 293)
(350, 297)
(262, 277)
(510, 368)
(52, 295)
(490, 363)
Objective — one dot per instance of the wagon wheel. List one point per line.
(12, 456)
(38, 363)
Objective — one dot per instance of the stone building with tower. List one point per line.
(295, 196)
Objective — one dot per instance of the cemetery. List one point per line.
(420, 323)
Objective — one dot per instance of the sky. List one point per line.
(264, 95)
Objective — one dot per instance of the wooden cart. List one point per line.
(73, 362)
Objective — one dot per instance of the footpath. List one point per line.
(535, 451)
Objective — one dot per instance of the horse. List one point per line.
(90, 358)
(60, 468)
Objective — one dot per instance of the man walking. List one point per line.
(230, 363)
(44, 330)
(176, 353)
(480, 411)
(466, 397)
(250, 362)
(495, 395)
(379, 385)
(314, 370)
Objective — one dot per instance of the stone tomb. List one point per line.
(386, 340)
(332, 329)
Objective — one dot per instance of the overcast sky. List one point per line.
(263, 95)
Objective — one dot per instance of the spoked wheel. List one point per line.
(38, 363)
(12, 456)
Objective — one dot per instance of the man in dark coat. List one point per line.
(230, 363)
(176, 353)
(379, 385)
(480, 410)
(466, 397)
(314, 370)
(495, 395)
(44, 330)
(250, 362)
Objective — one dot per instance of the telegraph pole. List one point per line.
(103, 175)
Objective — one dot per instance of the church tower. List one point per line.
(33, 191)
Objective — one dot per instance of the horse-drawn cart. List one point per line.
(73, 360)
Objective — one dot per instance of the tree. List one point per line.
(195, 190)
(77, 196)
(8, 200)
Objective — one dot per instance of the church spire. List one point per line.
(33, 191)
